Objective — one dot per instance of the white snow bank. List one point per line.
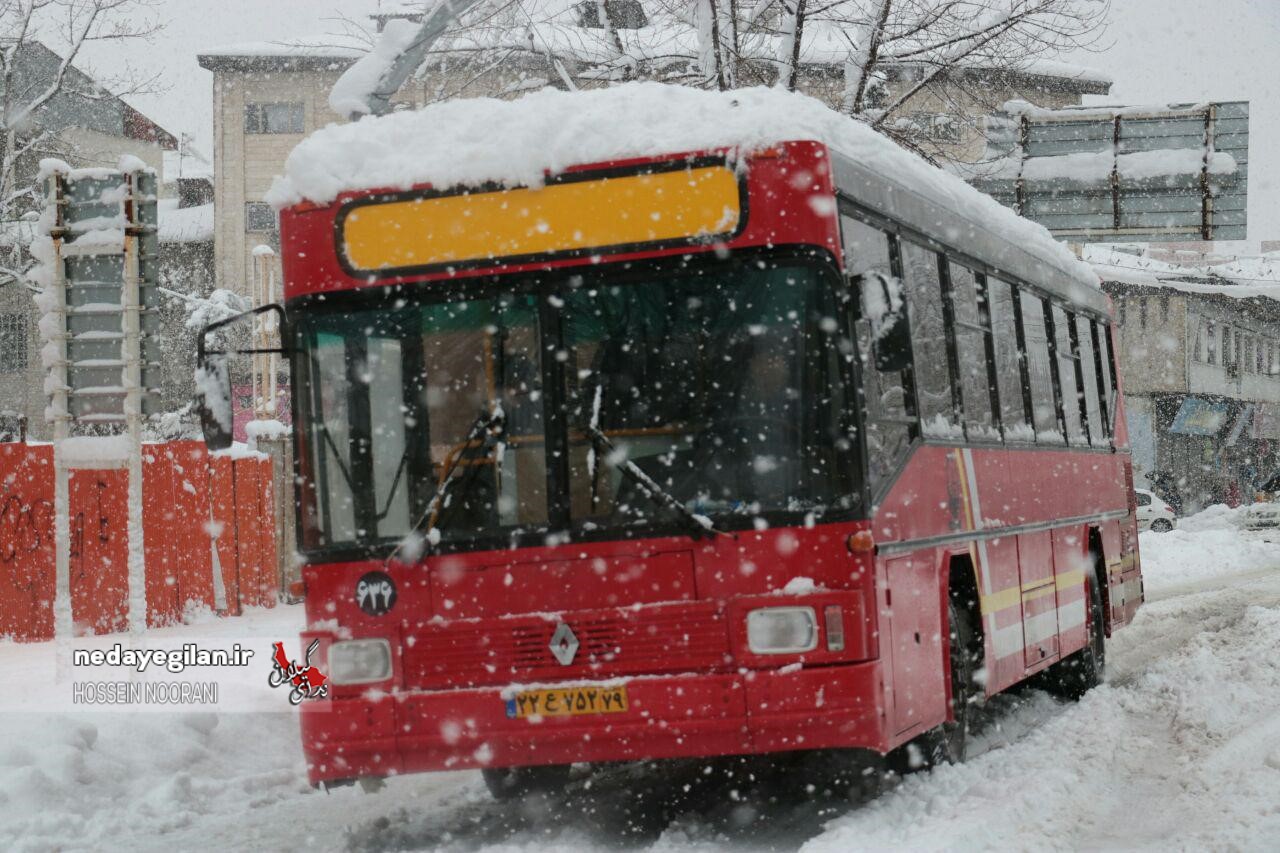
(1206, 545)
(470, 142)
(1215, 517)
(1181, 750)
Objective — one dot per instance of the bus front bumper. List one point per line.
(680, 716)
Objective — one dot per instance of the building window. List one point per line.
(259, 216)
(1142, 313)
(13, 343)
(1197, 348)
(1226, 346)
(273, 118)
(1260, 357)
(936, 126)
(1164, 309)
(1211, 345)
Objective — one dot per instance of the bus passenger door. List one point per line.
(915, 640)
(1039, 597)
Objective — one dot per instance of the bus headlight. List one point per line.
(782, 630)
(359, 661)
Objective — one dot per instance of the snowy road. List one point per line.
(1180, 750)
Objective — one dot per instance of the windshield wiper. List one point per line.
(630, 470)
(492, 424)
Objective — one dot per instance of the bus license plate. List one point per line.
(568, 701)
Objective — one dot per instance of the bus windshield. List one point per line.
(726, 383)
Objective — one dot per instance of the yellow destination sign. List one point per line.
(565, 216)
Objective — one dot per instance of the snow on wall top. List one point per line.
(184, 224)
(469, 142)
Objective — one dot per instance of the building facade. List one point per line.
(1200, 360)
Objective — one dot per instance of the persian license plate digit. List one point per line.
(568, 702)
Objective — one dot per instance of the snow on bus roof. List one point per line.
(471, 142)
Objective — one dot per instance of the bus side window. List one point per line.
(1068, 371)
(888, 411)
(1044, 406)
(1013, 413)
(973, 333)
(929, 342)
(1089, 375)
(1098, 339)
(1107, 374)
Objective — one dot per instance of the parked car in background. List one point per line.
(1154, 513)
(1262, 515)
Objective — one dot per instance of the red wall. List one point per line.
(183, 489)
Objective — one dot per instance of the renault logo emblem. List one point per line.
(564, 644)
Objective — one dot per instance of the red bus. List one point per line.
(700, 454)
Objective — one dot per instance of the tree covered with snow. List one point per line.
(877, 60)
(43, 92)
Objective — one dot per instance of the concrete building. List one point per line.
(1199, 348)
(267, 97)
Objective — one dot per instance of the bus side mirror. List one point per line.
(886, 311)
(213, 395)
(213, 375)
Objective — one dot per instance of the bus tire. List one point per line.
(513, 783)
(1077, 675)
(948, 743)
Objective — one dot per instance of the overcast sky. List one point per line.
(1157, 51)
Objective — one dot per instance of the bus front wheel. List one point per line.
(948, 743)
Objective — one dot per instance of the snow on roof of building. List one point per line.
(471, 142)
(1065, 70)
(321, 46)
(186, 163)
(1239, 278)
(551, 26)
(184, 224)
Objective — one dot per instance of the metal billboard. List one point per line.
(1122, 174)
(106, 243)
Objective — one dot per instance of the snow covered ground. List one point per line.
(1180, 750)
